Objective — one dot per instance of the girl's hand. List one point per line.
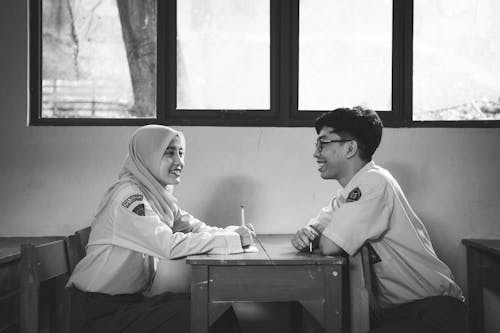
(246, 233)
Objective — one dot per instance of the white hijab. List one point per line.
(146, 148)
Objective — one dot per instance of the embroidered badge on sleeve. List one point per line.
(354, 195)
(139, 210)
(131, 199)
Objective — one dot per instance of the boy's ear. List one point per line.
(351, 148)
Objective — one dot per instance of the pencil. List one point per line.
(243, 216)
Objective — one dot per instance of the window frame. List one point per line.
(284, 50)
(35, 83)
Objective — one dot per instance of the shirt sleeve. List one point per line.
(360, 217)
(185, 222)
(138, 228)
(323, 218)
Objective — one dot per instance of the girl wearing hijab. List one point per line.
(137, 222)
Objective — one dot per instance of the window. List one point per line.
(98, 60)
(345, 54)
(456, 66)
(263, 62)
(223, 54)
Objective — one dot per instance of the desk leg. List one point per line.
(476, 323)
(334, 299)
(199, 299)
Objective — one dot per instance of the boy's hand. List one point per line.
(303, 238)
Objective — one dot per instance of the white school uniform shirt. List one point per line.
(128, 232)
(372, 207)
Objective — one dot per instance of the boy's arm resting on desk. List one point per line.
(355, 222)
(311, 232)
(347, 224)
(304, 238)
(328, 247)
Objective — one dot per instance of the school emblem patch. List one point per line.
(354, 195)
(139, 210)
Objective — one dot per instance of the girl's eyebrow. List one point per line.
(174, 148)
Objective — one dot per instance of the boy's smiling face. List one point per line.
(330, 153)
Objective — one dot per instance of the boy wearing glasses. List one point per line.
(414, 290)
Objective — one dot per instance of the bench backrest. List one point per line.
(76, 245)
(44, 268)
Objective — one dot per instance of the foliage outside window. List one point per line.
(456, 60)
(98, 59)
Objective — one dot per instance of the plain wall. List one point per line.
(53, 177)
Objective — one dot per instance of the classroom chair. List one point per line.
(76, 245)
(44, 301)
(84, 235)
(361, 291)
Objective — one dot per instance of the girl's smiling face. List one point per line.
(171, 163)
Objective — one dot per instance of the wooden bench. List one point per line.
(10, 254)
(76, 247)
(361, 291)
(44, 271)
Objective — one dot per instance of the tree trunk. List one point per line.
(138, 19)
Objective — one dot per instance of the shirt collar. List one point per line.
(352, 183)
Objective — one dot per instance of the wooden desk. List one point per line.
(483, 271)
(277, 273)
(10, 254)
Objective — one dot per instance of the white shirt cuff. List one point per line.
(227, 242)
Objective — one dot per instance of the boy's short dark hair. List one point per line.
(361, 124)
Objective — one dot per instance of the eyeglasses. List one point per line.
(320, 144)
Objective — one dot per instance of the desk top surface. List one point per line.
(10, 247)
(488, 245)
(273, 250)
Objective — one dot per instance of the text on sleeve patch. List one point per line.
(131, 199)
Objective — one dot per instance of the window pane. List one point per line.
(85, 70)
(345, 54)
(456, 60)
(223, 54)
